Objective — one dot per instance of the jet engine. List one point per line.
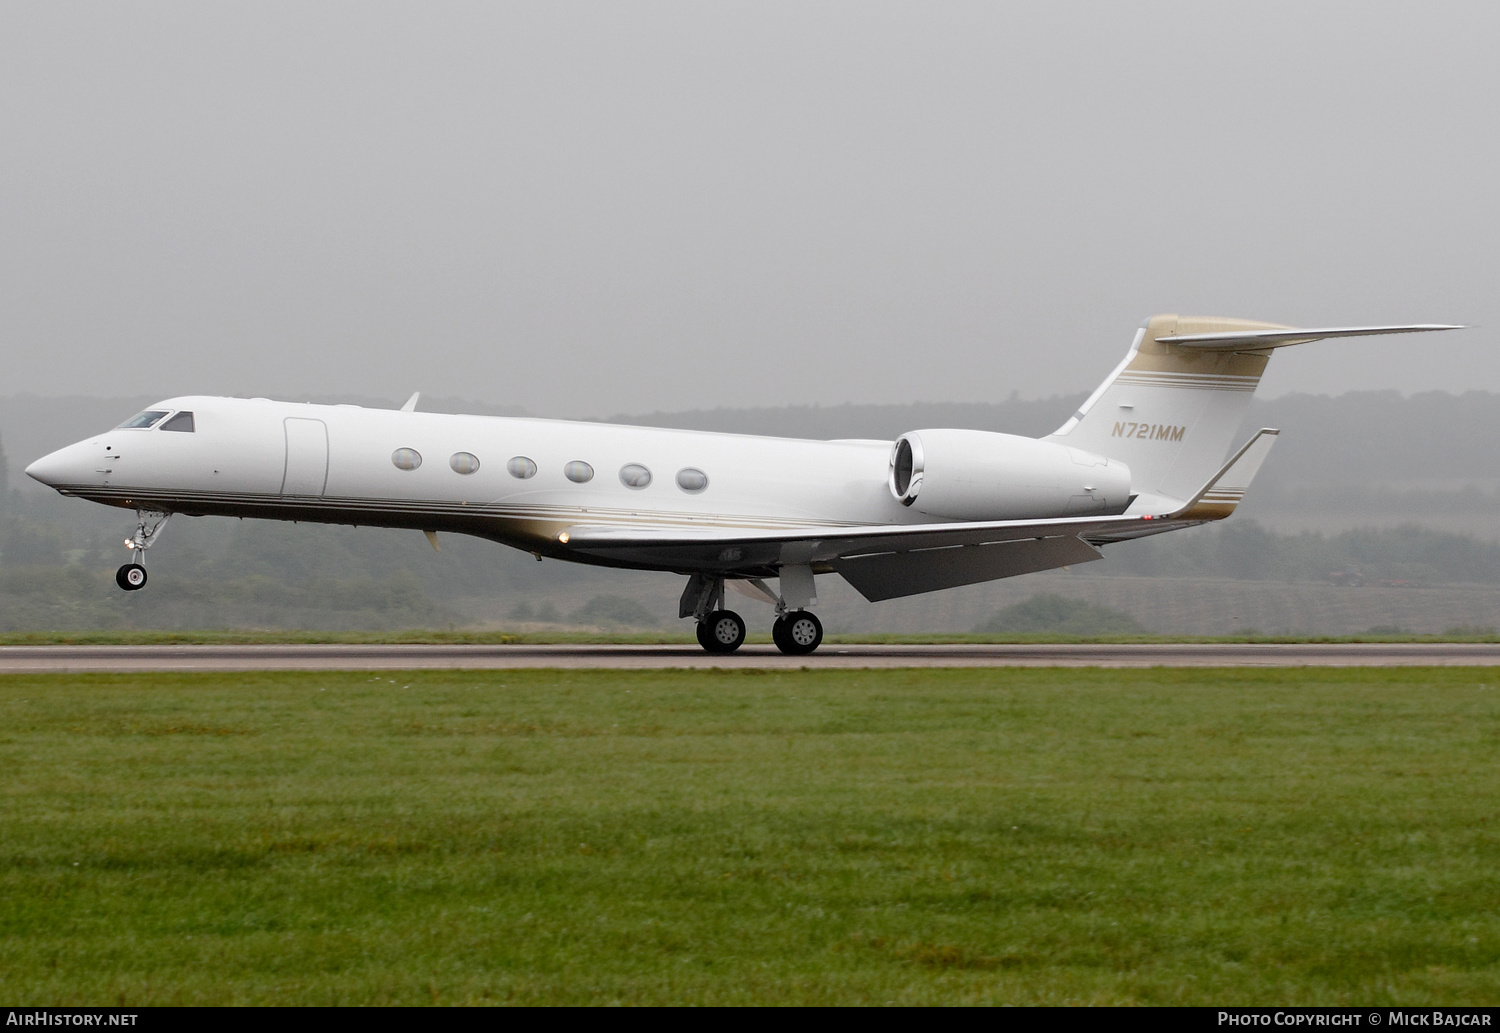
(977, 475)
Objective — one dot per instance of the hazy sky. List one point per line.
(619, 207)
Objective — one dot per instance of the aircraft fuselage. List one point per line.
(510, 481)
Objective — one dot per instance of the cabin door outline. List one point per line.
(306, 471)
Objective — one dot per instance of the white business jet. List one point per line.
(1147, 453)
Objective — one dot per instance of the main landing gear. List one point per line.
(795, 632)
(149, 522)
(721, 631)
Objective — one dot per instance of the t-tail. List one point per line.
(1171, 409)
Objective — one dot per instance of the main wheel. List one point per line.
(131, 577)
(778, 635)
(722, 631)
(797, 634)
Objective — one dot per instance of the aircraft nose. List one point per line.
(46, 469)
(65, 466)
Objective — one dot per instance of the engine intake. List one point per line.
(978, 475)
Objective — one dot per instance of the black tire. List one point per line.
(798, 634)
(723, 631)
(131, 577)
(778, 635)
(702, 629)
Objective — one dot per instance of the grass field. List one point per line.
(1318, 836)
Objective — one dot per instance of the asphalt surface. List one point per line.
(44, 659)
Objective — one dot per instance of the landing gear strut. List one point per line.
(797, 632)
(719, 630)
(149, 522)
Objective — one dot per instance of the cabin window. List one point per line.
(183, 421)
(464, 462)
(692, 480)
(578, 472)
(521, 467)
(142, 420)
(634, 475)
(406, 458)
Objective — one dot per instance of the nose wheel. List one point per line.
(797, 633)
(149, 522)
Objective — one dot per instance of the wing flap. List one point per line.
(894, 575)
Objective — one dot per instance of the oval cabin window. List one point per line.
(406, 458)
(521, 467)
(464, 462)
(578, 472)
(634, 475)
(691, 480)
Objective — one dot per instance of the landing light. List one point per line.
(562, 536)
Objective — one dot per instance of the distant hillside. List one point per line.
(1353, 461)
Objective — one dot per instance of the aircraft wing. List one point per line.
(882, 561)
(888, 561)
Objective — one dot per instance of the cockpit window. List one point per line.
(183, 421)
(142, 420)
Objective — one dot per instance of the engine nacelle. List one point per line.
(978, 475)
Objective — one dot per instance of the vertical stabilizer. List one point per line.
(1170, 411)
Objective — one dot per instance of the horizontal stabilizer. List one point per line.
(1233, 340)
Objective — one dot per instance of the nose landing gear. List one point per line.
(149, 522)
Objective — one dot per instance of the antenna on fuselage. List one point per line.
(411, 403)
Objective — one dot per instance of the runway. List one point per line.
(49, 659)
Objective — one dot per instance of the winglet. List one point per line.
(1217, 499)
(411, 403)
